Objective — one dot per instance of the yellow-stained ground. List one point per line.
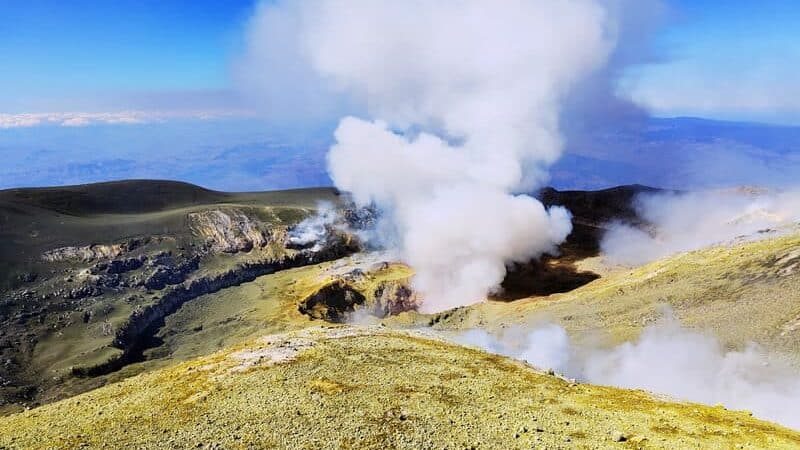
(267, 305)
(378, 388)
(349, 387)
(748, 292)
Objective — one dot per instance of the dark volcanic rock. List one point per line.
(133, 335)
(170, 274)
(598, 207)
(117, 266)
(393, 298)
(361, 218)
(332, 303)
(27, 277)
(162, 276)
(109, 281)
(83, 291)
(338, 300)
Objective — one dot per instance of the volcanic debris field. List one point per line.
(152, 314)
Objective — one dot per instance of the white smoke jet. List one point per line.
(666, 359)
(315, 229)
(465, 98)
(546, 346)
(684, 222)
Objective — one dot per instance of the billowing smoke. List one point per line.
(666, 359)
(688, 221)
(314, 230)
(464, 99)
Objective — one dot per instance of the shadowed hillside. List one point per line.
(591, 212)
(115, 197)
(89, 272)
(35, 220)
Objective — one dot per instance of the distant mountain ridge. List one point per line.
(675, 153)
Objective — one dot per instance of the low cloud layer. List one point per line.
(769, 94)
(689, 221)
(666, 359)
(80, 119)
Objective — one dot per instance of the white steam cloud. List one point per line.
(314, 230)
(666, 359)
(464, 98)
(684, 222)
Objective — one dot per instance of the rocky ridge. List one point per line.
(113, 296)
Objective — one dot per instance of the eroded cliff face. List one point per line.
(230, 230)
(91, 252)
(136, 332)
(100, 304)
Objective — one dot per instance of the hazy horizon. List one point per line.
(179, 90)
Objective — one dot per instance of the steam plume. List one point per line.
(464, 99)
(666, 359)
(684, 222)
(314, 230)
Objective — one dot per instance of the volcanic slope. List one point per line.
(743, 292)
(353, 387)
(91, 275)
(36, 220)
(88, 273)
(710, 289)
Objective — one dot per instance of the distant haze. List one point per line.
(245, 155)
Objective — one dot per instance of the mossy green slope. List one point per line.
(33, 221)
(748, 292)
(371, 388)
(266, 305)
(46, 332)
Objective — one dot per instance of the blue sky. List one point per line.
(80, 54)
(83, 62)
(726, 59)
(148, 54)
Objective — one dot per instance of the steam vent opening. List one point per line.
(591, 213)
(539, 278)
(336, 302)
(332, 303)
(555, 274)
